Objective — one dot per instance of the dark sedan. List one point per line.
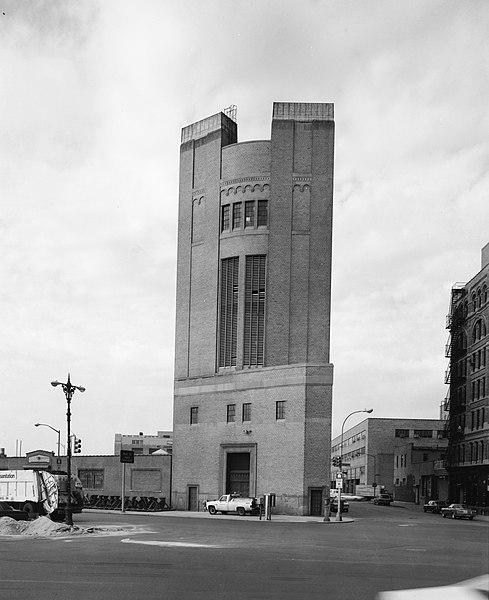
(8, 511)
(435, 506)
(458, 511)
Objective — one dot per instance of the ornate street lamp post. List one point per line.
(365, 410)
(68, 390)
(54, 429)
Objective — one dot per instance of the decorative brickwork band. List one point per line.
(303, 111)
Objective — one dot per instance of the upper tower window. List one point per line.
(250, 213)
(262, 213)
(225, 217)
(237, 211)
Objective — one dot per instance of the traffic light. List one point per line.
(77, 445)
(336, 461)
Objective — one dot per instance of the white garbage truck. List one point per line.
(36, 492)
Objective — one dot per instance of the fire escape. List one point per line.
(455, 375)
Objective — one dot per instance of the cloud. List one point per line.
(93, 98)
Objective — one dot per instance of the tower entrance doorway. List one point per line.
(238, 473)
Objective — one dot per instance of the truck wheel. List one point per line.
(241, 511)
(29, 509)
(212, 510)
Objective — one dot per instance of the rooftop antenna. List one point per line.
(231, 112)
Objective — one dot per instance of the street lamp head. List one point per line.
(81, 389)
(55, 383)
(370, 410)
(36, 424)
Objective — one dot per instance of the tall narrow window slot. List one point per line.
(228, 318)
(254, 310)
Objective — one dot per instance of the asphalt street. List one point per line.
(182, 555)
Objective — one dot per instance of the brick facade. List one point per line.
(371, 448)
(467, 400)
(290, 178)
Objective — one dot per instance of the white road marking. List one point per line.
(169, 544)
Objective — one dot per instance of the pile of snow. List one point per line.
(41, 527)
(44, 527)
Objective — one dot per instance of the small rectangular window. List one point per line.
(91, 478)
(402, 433)
(225, 218)
(194, 415)
(262, 219)
(237, 206)
(280, 410)
(231, 413)
(250, 213)
(247, 411)
(423, 433)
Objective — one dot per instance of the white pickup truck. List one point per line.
(233, 503)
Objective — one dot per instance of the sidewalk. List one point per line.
(205, 515)
(409, 506)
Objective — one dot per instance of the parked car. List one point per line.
(435, 506)
(458, 511)
(383, 499)
(8, 511)
(333, 507)
(352, 497)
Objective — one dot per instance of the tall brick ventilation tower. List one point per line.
(253, 382)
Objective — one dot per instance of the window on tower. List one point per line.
(262, 220)
(228, 312)
(247, 411)
(231, 413)
(225, 217)
(250, 213)
(254, 311)
(280, 410)
(237, 207)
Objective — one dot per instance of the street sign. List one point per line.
(127, 456)
(339, 475)
(339, 484)
(344, 464)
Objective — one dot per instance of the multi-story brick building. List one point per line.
(419, 468)
(468, 397)
(253, 382)
(386, 452)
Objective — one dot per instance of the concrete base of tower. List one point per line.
(254, 432)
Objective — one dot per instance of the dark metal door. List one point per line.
(192, 498)
(316, 502)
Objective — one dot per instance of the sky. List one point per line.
(93, 97)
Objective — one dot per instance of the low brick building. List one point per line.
(101, 475)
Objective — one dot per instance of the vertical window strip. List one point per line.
(254, 317)
(228, 321)
(262, 219)
(250, 213)
(225, 218)
(237, 215)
